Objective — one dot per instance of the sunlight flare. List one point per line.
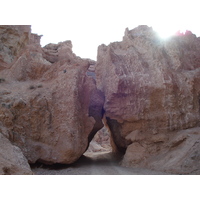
(166, 32)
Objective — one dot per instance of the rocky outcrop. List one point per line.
(50, 107)
(152, 96)
(13, 39)
(146, 90)
(12, 160)
(59, 52)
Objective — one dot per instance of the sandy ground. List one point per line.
(104, 163)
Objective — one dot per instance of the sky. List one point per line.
(90, 23)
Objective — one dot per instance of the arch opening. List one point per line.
(100, 143)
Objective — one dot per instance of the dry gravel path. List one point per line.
(93, 164)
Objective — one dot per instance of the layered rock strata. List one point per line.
(152, 98)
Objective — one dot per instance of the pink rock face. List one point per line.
(12, 160)
(13, 39)
(151, 90)
(49, 109)
(146, 90)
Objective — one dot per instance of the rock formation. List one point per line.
(13, 39)
(146, 90)
(50, 107)
(12, 160)
(152, 99)
(100, 142)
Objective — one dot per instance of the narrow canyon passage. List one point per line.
(143, 89)
(97, 160)
(98, 163)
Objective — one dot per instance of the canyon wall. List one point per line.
(152, 98)
(144, 89)
(49, 106)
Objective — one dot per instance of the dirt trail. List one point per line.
(93, 164)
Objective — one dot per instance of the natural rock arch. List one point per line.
(146, 91)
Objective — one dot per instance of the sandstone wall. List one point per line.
(49, 109)
(152, 92)
(146, 90)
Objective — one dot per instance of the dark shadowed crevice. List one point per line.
(95, 129)
(115, 130)
(95, 110)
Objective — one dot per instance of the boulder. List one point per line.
(152, 92)
(50, 108)
(12, 160)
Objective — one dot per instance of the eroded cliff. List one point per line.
(152, 96)
(145, 89)
(50, 107)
